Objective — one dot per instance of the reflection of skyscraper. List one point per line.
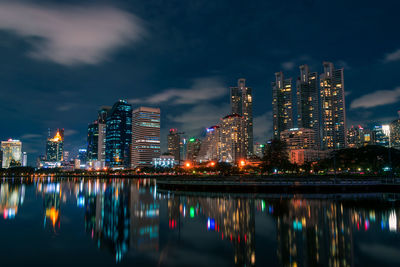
(242, 104)
(119, 135)
(51, 203)
(282, 104)
(12, 155)
(144, 228)
(11, 198)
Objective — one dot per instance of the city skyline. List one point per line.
(149, 67)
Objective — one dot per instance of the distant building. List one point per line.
(102, 125)
(145, 136)
(93, 142)
(211, 146)
(232, 139)
(299, 138)
(66, 156)
(174, 144)
(333, 121)
(380, 135)
(358, 137)
(307, 101)
(259, 150)
(395, 134)
(242, 104)
(55, 147)
(282, 104)
(24, 159)
(301, 156)
(193, 149)
(167, 161)
(12, 154)
(118, 135)
(82, 156)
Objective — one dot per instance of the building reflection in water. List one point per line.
(123, 217)
(11, 197)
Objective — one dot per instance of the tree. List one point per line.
(276, 156)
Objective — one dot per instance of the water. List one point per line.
(129, 223)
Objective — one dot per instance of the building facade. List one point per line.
(145, 136)
(12, 153)
(333, 113)
(282, 104)
(299, 138)
(55, 147)
(118, 135)
(211, 145)
(395, 134)
(242, 104)
(233, 148)
(174, 144)
(308, 101)
(193, 149)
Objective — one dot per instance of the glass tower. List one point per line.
(282, 104)
(118, 135)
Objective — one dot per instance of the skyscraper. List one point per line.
(333, 120)
(242, 104)
(282, 104)
(93, 142)
(211, 146)
(24, 159)
(193, 149)
(12, 155)
(55, 147)
(102, 120)
(307, 101)
(395, 134)
(232, 138)
(174, 140)
(118, 135)
(145, 136)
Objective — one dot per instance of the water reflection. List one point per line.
(129, 218)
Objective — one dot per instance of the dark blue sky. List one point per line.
(61, 62)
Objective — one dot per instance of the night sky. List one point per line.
(60, 62)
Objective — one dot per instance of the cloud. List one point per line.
(70, 132)
(263, 127)
(30, 136)
(200, 117)
(202, 89)
(394, 56)
(70, 35)
(289, 65)
(377, 98)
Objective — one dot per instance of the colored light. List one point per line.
(191, 212)
(192, 140)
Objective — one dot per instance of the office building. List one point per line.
(12, 154)
(232, 129)
(380, 135)
(145, 136)
(282, 104)
(242, 104)
(118, 135)
(102, 125)
(211, 146)
(333, 113)
(55, 147)
(307, 101)
(93, 142)
(395, 134)
(193, 149)
(174, 144)
(24, 159)
(259, 150)
(299, 138)
(358, 137)
(82, 156)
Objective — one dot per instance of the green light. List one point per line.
(191, 212)
(192, 140)
(262, 145)
(262, 205)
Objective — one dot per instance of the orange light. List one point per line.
(242, 163)
(212, 163)
(188, 165)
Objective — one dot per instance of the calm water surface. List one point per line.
(130, 223)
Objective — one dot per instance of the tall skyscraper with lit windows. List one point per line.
(145, 136)
(11, 153)
(242, 104)
(118, 135)
(174, 141)
(282, 104)
(55, 147)
(308, 101)
(333, 113)
(232, 131)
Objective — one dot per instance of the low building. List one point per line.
(301, 156)
(166, 161)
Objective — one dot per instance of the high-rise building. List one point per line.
(299, 138)
(118, 135)
(232, 138)
(380, 135)
(145, 136)
(93, 142)
(307, 101)
(82, 156)
(333, 113)
(282, 104)
(55, 147)
(193, 149)
(102, 120)
(12, 155)
(395, 134)
(358, 137)
(24, 159)
(211, 146)
(259, 150)
(242, 104)
(174, 141)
